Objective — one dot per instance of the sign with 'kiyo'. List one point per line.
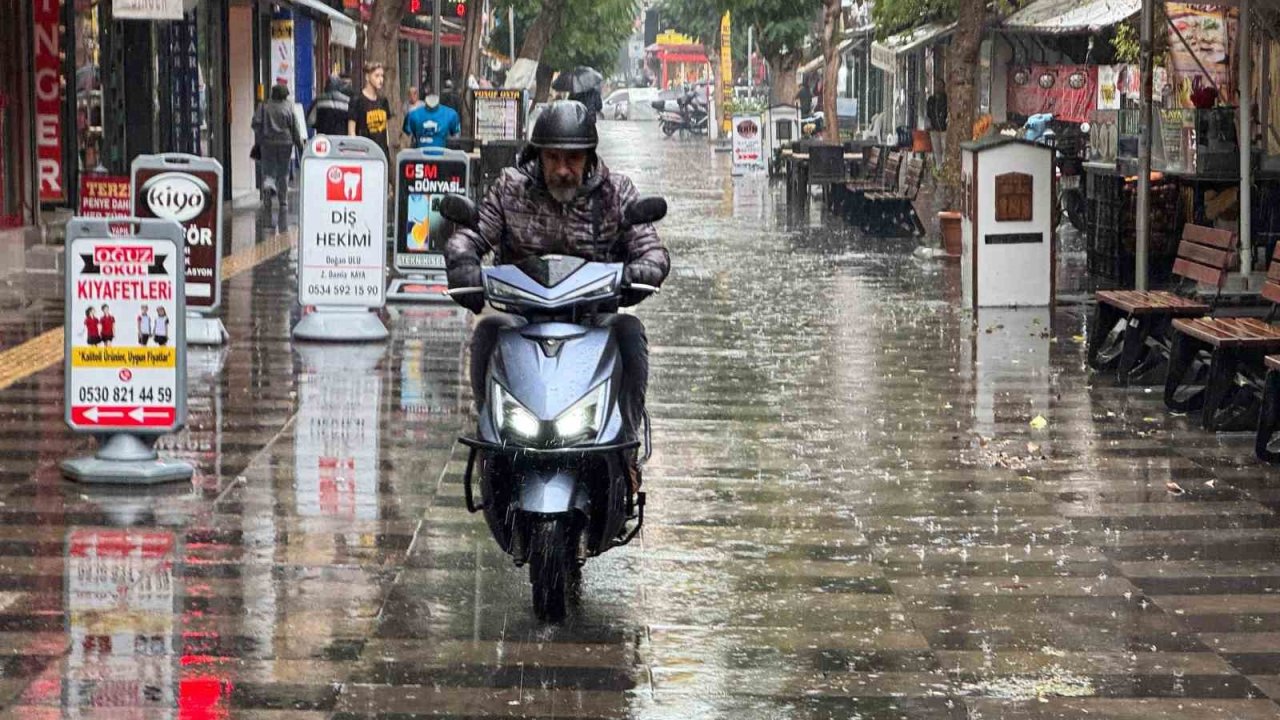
(188, 190)
(343, 217)
(125, 341)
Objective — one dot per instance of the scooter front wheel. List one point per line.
(669, 129)
(551, 567)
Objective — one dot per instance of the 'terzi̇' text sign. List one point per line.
(125, 325)
(342, 238)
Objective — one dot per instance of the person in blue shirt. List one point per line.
(432, 123)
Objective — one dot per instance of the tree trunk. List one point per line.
(383, 36)
(470, 67)
(542, 90)
(962, 63)
(831, 66)
(524, 70)
(782, 74)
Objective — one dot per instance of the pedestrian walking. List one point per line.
(108, 325)
(92, 326)
(162, 327)
(328, 113)
(146, 327)
(370, 112)
(276, 131)
(414, 100)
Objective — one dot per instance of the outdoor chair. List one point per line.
(1131, 328)
(893, 212)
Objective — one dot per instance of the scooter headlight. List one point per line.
(512, 417)
(584, 419)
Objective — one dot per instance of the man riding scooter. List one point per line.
(561, 199)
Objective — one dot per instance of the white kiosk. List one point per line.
(781, 128)
(1009, 247)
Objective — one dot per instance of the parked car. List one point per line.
(631, 104)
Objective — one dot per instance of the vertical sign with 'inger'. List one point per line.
(342, 239)
(124, 331)
(48, 69)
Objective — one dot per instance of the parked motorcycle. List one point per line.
(688, 116)
(551, 451)
(813, 125)
(1068, 142)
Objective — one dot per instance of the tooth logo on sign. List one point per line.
(344, 184)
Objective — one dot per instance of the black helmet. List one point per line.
(565, 125)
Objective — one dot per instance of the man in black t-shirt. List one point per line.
(370, 113)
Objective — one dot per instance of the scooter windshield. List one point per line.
(551, 282)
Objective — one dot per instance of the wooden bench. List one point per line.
(853, 197)
(893, 212)
(879, 178)
(1216, 363)
(869, 175)
(1131, 328)
(1269, 412)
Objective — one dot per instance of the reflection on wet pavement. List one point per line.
(850, 515)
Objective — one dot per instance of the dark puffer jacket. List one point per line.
(519, 219)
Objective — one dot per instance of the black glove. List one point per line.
(467, 276)
(641, 273)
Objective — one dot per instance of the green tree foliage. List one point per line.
(782, 28)
(699, 19)
(894, 16)
(592, 32)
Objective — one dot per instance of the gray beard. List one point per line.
(564, 195)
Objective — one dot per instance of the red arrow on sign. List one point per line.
(123, 416)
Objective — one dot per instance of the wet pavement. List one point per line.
(850, 515)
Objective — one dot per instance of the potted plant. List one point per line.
(949, 224)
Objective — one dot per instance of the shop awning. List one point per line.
(884, 55)
(816, 63)
(1063, 17)
(425, 37)
(912, 39)
(342, 29)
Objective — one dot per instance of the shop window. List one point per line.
(1013, 197)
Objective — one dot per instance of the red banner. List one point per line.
(1068, 91)
(49, 79)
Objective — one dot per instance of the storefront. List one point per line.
(141, 86)
(676, 59)
(298, 44)
(906, 60)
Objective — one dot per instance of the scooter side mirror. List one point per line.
(460, 210)
(645, 210)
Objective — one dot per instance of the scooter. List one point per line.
(550, 450)
(690, 116)
(1068, 168)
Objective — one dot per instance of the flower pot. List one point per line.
(952, 241)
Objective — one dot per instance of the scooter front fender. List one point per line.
(551, 492)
